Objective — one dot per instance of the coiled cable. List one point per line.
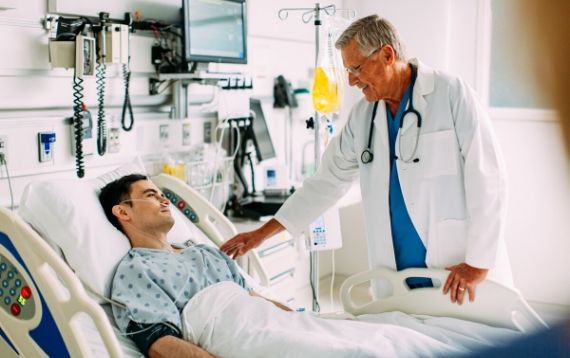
(127, 101)
(78, 124)
(101, 126)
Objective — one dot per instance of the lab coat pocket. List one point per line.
(439, 153)
(451, 242)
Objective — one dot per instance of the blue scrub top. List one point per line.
(409, 249)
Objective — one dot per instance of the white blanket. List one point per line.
(228, 322)
(458, 333)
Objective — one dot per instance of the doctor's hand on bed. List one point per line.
(242, 243)
(463, 278)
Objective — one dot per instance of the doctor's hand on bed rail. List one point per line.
(463, 278)
(240, 244)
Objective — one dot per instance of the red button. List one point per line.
(15, 308)
(181, 204)
(26, 292)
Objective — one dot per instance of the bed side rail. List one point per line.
(56, 289)
(495, 304)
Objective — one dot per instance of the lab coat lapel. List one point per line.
(424, 86)
(381, 127)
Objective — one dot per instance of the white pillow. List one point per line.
(69, 214)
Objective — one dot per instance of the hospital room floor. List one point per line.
(550, 313)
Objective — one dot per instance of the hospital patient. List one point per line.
(154, 280)
(192, 302)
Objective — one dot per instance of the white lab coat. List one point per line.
(455, 195)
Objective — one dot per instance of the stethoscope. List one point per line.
(367, 156)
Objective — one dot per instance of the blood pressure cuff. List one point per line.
(144, 335)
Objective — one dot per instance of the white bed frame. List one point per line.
(64, 296)
(495, 304)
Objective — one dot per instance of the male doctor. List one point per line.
(431, 175)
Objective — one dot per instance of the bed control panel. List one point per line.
(183, 206)
(16, 296)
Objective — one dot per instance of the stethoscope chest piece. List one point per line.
(367, 156)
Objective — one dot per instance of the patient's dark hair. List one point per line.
(115, 192)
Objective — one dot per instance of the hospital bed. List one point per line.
(56, 264)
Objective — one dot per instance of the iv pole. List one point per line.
(306, 17)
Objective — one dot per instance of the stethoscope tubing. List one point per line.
(367, 155)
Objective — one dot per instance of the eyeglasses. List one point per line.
(356, 70)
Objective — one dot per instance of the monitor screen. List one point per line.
(214, 31)
(263, 143)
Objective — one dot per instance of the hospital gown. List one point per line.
(155, 285)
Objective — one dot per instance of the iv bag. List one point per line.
(327, 83)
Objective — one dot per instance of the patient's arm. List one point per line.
(173, 347)
(278, 304)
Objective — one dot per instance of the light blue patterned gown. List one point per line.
(155, 285)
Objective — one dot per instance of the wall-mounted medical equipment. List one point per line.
(72, 42)
(84, 138)
(88, 45)
(46, 142)
(324, 233)
(214, 31)
(211, 31)
(253, 142)
(284, 97)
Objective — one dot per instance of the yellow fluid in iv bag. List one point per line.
(325, 92)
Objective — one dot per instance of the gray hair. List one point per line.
(371, 33)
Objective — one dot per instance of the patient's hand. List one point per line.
(172, 347)
(462, 278)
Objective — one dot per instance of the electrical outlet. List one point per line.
(207, 132)
(164, 135)
(4, 146)
(186, 134)
(46, 142)
(114, 140)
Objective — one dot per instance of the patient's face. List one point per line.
(150, 210)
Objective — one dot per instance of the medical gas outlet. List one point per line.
(46, 142)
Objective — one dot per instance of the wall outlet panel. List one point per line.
(4, 146)
(164, 135)
(46, 145)
(186, 134)
(114, 140)
(207, 132)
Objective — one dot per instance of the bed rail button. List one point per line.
(15, 309)
(26, 292)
